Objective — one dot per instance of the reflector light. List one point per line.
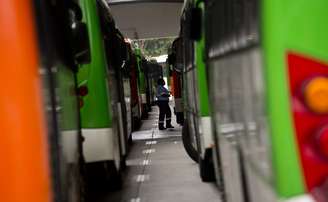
(83, 90)
(308, 82)
(316, 94)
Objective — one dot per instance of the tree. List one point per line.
(154, 47)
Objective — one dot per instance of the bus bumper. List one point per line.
(98, 144)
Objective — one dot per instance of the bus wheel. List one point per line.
(206, 166)
(187, 143)
(123, 162)
(113, 176)
(103, 176)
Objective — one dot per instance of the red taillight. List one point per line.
(308, 80)
(322, 141)
(83, 91)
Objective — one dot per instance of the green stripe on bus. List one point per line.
(287, 168)
(202, 74)
(96, 110)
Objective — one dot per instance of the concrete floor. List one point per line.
(159, 170)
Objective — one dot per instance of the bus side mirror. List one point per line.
(81, 43)
(196, 24)
(80, 37)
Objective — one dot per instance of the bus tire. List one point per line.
(186, 140)
(136, 123)
(123, 162)
(206, 167)
(179, 117)
(130, 141)
(103, 176)
(114, 177)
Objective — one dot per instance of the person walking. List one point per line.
(163, 95)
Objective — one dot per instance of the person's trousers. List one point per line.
(164, 112)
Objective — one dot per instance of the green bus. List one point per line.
(101, 124)
(266, 64)
(142, 83)
(189, 66)
(62, 47)
(118, 74)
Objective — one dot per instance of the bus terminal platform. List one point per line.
(159, 170)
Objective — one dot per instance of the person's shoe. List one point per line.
(161, 128)
(169, 126)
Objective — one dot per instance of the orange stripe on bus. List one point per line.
(24, 167)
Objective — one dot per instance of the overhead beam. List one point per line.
(112, 2)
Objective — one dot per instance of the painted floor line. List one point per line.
(145, 162)
(151, 142)
(135, 200)
(148, 151)
(142, 178)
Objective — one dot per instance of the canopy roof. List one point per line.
(142, 19)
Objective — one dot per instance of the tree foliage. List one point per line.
(154, 47)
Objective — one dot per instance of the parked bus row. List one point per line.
(253, 80)
(74, 89)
